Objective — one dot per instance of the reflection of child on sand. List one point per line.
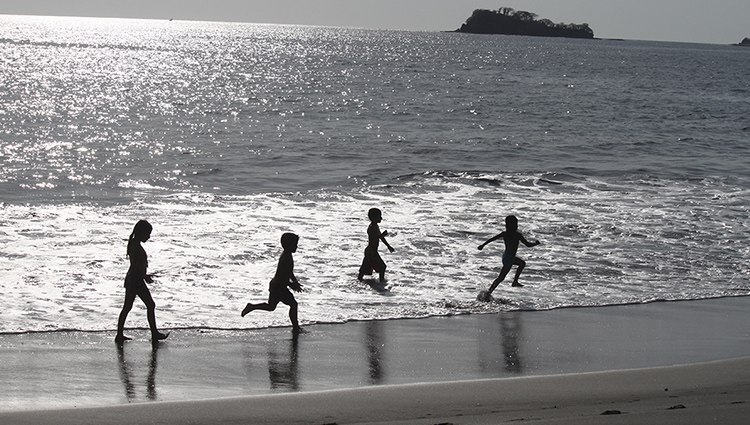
(281, 282)
(372, 261)
(511, 236)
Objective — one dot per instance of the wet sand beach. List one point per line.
(665, 362)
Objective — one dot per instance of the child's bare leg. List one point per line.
(382, 267)
(293, 315)
(145, 296)
(129, 298)
(521, 264)
(248, 308)
(261, 306)
(364, 269)
(155, 334)
(504, 272)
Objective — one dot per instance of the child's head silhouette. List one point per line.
(141, 231)
(511, 223)
(289, 241)
(374, 214)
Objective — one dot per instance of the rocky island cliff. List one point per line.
(745, 42)
(507, 20)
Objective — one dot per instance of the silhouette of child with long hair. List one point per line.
(281, 282)
(135, 282)
(511, 236)
(372, 261)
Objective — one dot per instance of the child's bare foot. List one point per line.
(122, 338)
(159, 336)
(248, 308)
(516, 284)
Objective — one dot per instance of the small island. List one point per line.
(745, 42)
(509, 21)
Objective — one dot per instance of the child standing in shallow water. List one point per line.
(372, 261)
(135, 282)
(511, 236)
(281, 282)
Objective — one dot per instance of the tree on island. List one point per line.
(507, 20)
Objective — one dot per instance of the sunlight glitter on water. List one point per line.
(625, 165)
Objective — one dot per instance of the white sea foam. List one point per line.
(65, 264)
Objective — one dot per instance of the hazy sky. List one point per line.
(714, 21)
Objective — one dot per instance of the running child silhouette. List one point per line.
(511, 236)
(281, 282)
(372, 261)
(135, 282)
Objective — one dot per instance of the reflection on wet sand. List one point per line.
(126, 373)
(374, 344)
(283, 369)
(501, 338)
(510, 326)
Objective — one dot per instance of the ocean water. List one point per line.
(628, 160)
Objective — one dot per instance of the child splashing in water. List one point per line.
(373, 261)
(511, 236)
(135, 283)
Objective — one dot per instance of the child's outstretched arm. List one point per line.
(492, 239)
(529, 244)
(385, 242)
